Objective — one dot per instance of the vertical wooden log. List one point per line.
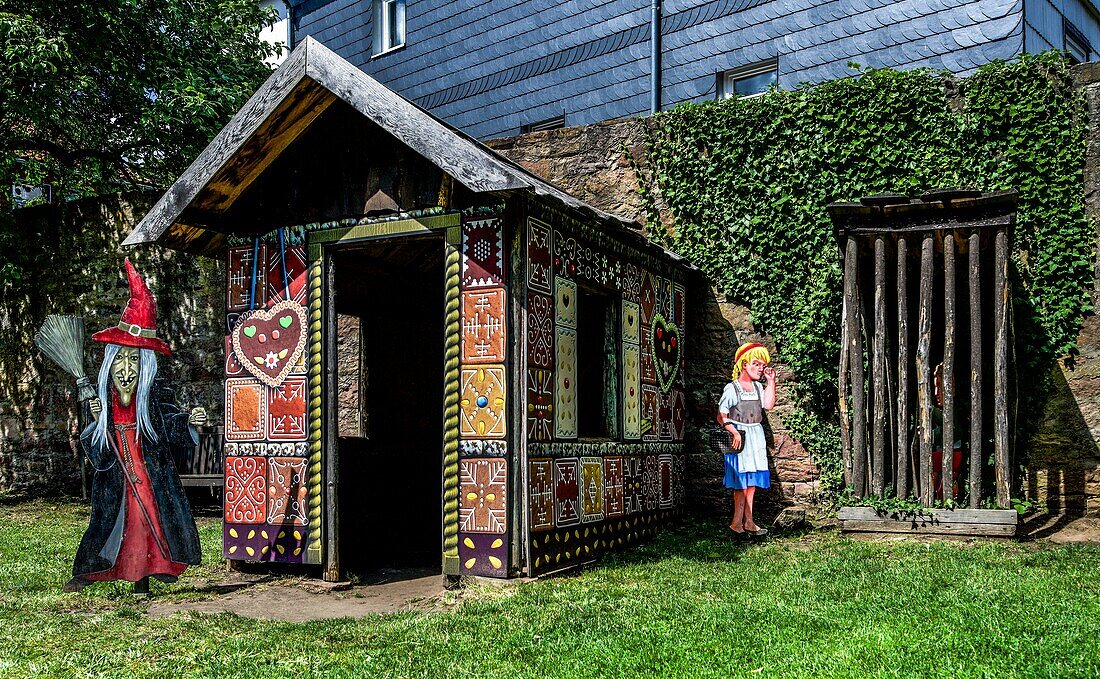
(1001, 301)
(901, 470)
(924, 370)
(332, 572)
(947, 473)
(855, 345)
(878, 371)
(975, 370)
(842, 385)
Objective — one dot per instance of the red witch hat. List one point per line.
(138, 326)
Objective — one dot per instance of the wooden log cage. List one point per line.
(926, 347)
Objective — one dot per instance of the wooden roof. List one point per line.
(308, 82)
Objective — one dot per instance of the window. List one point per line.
(598, 317)
(389, 23)
(1075, 44)
(748, 81)
(548, 124)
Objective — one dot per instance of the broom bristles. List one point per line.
(61, 338)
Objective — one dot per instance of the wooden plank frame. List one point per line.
(322, 436)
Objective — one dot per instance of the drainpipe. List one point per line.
(655, 56)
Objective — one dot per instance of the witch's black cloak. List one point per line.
(101, 542)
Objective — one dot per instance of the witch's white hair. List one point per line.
(147, 372)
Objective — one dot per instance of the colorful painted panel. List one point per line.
(246, 490)
(632, 323)
(631, 282)
(483, 448)
(284, 544)
(567, 509)
(483, 334)
(239, 264)
(678, 491)
(650, 406)
(664, 297)
(667, 351)
(541, 494)
(565, 303)
(483, 555)
(591, 489)
(647, 298)
(482, 404)
(613, 497)
(482, 253)
(287, 491)
(679, 301)
(540, 405)
(649, 372)
(539, 257)
(540, 330)
(245, 409)
(679, 414)
(664, 480)
(632, 392)
(482, 495)
(633, 491)
(651, 482)
(565, 388)
(286, 410)
(266, 449)
(664, 417)
(232, 366)
(277, 286)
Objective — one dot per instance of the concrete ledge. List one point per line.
(976, 522)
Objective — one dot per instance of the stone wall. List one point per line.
(1064, 453)
(73, 266)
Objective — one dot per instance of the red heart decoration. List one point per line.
(268, 342)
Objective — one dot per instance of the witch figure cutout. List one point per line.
(141, 523)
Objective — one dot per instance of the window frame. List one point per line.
(727, 80)
(1075, 42)
(384, 41)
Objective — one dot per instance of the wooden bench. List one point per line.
(202, 467)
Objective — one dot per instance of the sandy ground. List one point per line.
(297, 599)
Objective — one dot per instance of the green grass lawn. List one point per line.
(687, 604)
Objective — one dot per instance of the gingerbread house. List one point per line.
(433, 358)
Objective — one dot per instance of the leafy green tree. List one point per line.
(98, 95)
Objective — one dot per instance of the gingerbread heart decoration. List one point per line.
(665, 346)
(268, 342)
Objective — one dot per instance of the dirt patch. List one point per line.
(296, 599)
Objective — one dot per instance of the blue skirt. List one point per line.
(739, 480)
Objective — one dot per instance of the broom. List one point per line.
(61, 338)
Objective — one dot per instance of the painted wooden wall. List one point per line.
(489, 68)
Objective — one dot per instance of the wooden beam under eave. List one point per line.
(194, 240)
(290, 118)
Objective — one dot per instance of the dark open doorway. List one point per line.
(389, 300)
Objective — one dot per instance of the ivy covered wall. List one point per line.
(740, 187)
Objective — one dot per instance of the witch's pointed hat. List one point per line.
(138, 326)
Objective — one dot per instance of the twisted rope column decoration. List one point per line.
(313, 553)
(451, 387)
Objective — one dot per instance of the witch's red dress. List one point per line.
(144, 550)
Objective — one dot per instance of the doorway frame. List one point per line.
(322, 245)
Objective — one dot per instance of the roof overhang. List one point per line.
(310, 80)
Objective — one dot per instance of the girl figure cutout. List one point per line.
(741, 413)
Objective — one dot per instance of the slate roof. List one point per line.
(312, 77)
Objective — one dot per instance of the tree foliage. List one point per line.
(746, 183)
(97, 95)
